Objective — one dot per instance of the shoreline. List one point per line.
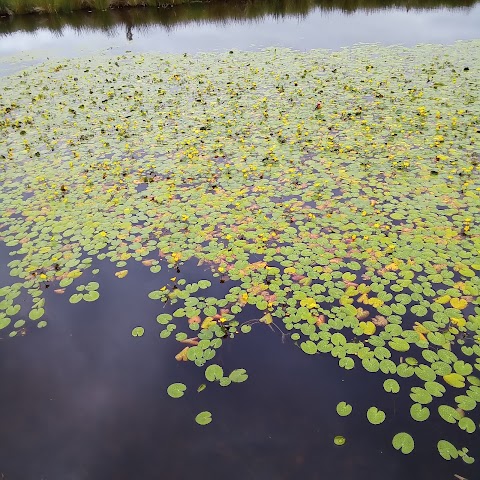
(14, 8)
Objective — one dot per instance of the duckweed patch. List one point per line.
(334, 194)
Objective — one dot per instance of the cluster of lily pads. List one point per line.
(335, 194)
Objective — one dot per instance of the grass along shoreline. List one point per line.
(19, 7)
(277, 7)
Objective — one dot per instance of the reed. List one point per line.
(207, 10)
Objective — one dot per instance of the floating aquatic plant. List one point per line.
(335, 194)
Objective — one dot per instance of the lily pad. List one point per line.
(391, 385)
(204, 418)
(449, 414)
(213, 372)
(447, 450)
(138, 332)
(404, 442)
(375, 416)
(419, 412)
(176, 390)
(238, 376)
(344, 409)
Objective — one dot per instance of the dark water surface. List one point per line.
(82, 399)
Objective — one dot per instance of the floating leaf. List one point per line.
(371, 364)
(203, 418)
(176, 390)
(435, 389)
(419, 412)
(391, 385)
(36, 313)
(347, 363)
(467, 424)
(214, 372)
(420, 395)
(474, 380)
(462, 368)
(404, 442)
(455, 380)
(344, 409)
(465, 402)
(339, 440)
(375, 416)
(225, 382)
(204, 283)
(164, 318)
(239, 375)
(182, 356)
(368, 328)
(75, 298)
(458, 303)
(138, 331)
(91, 296)
(267, 318)
(245, 328)
(449, 414)
(121, 274)
(399, 344)
(447, 450)
(309, 347)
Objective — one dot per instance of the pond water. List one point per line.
(243, 26)
(84, 400)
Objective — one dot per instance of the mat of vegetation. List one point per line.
(336, 195)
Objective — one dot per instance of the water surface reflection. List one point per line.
(83, 400)
(245, 26)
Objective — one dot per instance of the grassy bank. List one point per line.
(12, 7)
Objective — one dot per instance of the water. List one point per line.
(83, 400)
(219, 27)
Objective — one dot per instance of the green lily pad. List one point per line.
(204, 418)
(467, 424)
(36, 313)
(138, 332)
(375, 416)
(309, 347)
(176, 390)
(164, 318)
(213, 372)
(404, 442)
(238, 376)
(391, 385)
(344, 409)
(449, 414)
(420, 395)
(419, 412)
(4, 322)
(399, 344)
(447, 450)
